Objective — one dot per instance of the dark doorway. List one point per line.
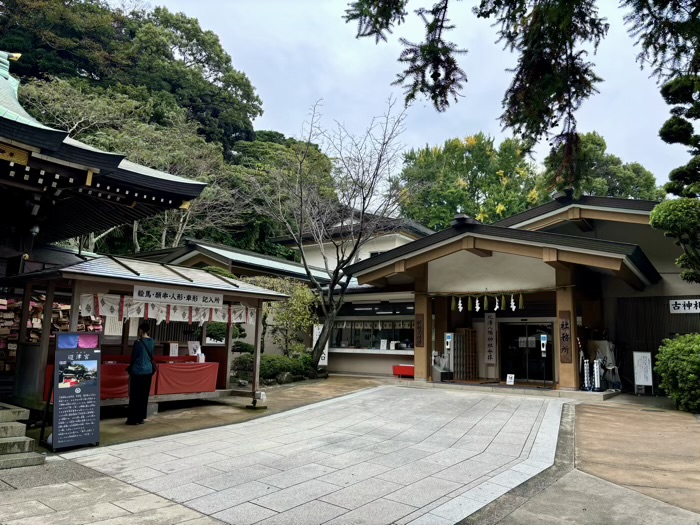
(521, 353)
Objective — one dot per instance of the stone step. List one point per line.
(25, 459)
(12, 429)
(12, 413)
(16, 445)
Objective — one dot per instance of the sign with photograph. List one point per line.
(171, 296)
(510, 379)
(76, 390)
(684, 306)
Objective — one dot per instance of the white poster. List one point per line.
(194, 347)
(324, 356)
(510, 379)
(174, 349)
(642, 368)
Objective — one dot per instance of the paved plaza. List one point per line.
(387, 455)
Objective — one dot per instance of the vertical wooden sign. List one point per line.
(420, 331)
(565, 349)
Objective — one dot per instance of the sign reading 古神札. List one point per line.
(171, 296)
(76, 390)
(684, 306)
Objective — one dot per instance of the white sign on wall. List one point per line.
(490, 339)
(684, 306)
(324, 356)
(510, 379)
(173, 296)
(642, 368)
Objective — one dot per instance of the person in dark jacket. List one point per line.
(141, 371)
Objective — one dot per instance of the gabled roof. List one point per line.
(108, 268)
(57, 167)
(237, 258)
(465, 227)
(564, 202)
(388, 225)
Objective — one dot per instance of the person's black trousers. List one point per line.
(139, 388)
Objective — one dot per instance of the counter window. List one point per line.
(378, 335)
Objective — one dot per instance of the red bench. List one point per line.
(404, 370)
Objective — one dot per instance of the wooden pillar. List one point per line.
(77, 289)
(423, 329)
(566, 358)
(442, 320)
(229, 351)
(256, 354)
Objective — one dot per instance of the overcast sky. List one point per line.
(298, 51)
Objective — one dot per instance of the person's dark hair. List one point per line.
(145, 327)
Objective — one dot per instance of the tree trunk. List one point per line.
(91, 242)
(164, 233)
(323, 338)
(135, 236)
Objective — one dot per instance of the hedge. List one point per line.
(678, 364)
(273, 365)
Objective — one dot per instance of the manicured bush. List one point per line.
(243, 364)
(240, 346)
(678, 364)
(273, 365)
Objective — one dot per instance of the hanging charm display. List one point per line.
(478, 306)
(512, 303)
(459, 305)
(495, 308)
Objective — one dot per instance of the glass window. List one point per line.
(375, 334)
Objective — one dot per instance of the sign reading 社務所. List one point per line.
(170, 296)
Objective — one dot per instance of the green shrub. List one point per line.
(243, 364)
(301, 366)
(273, 365)
(240, 346)
(678, 364)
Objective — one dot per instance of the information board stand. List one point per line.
(76, 391)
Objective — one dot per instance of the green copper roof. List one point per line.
(10, 107)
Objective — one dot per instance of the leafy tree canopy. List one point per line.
(601, 173)
(472, 176)
(151, 52)
(551, 40)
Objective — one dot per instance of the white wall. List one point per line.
(382, 243)
(466, 272)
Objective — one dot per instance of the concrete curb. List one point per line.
(498, 509)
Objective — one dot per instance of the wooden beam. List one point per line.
(469, 244)
(630, 277)
(256, 355)
(550, 256)
(434, 254)
(614, 216)
(510, 248)
(587, 259)
(378, 277)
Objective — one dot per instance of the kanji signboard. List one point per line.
(565, 351)
(170, 296)
(490, 322)
(76, 390)
(684, 306)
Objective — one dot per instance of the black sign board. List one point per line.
(76, 390)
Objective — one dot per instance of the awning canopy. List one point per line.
(129, 272)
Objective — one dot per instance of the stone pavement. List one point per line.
(388, 455)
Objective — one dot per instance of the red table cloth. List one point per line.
(186, 378)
